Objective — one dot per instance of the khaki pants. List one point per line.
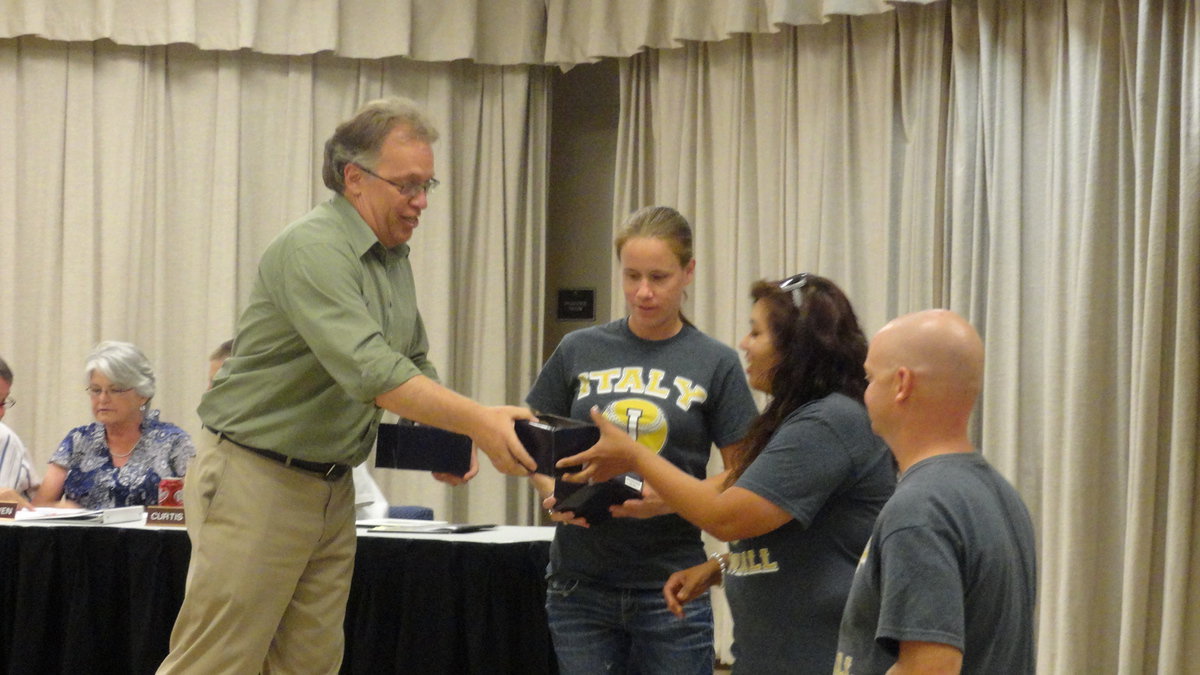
(272, 555)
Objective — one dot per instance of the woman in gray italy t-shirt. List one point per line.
(803, 489)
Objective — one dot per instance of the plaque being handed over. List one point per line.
(550, 438)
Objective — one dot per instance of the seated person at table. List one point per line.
(17, 478)
(119, 459)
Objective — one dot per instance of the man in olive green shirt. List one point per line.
(330, 339)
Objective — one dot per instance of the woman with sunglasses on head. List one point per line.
(679, 392)
(802, 492)
(119, 459)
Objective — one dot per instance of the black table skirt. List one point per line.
(76, 599)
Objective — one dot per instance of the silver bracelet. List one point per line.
(722, 560)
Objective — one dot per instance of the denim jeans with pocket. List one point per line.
(604, 629)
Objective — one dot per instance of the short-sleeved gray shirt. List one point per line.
(787, 588)
(678, 397)
(951, 560)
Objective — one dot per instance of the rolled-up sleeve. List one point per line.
(331, 324)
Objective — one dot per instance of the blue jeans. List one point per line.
(601, 629)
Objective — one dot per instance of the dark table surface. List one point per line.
(103, 598)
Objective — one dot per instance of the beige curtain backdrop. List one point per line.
(150, 151)
(495, 32)
(1033, 166)
(583, 30)
(139, 186)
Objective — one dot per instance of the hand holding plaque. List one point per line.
(551, 438)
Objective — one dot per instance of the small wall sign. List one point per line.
(576, 304)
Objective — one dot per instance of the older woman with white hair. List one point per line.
(119, 459)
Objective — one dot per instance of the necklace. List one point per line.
(116, 455)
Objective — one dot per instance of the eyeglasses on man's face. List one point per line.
(97, 392)
(407, 190)
(793, 284)
(8, 403)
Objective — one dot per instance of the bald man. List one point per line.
(948, 579)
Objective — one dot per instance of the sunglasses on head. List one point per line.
(793, 284)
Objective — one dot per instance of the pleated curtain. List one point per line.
(1031, 165)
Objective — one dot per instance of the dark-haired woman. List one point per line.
(802, 491)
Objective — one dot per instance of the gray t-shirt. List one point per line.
(787, 588)
(676, 396)
(951, 560)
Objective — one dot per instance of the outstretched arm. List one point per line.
(422, 400)
(735, 513)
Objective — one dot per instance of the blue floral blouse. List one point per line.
(94, 483)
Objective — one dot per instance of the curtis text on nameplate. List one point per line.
(165, 515)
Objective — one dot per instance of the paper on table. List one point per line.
(377, 522)
(426, 527)
(121, 514)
